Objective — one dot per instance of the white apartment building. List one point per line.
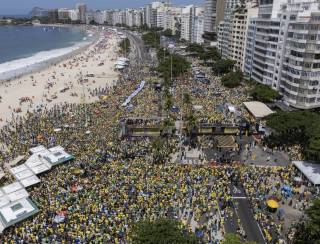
(63, 14)
(174, 19)
(129, 17)
(161, 16)
(283, 50)
(224, 29)
(109, 15)
(213, 14)
(238, 32)
(74, 14)
(147, 14)
(151, 13)
(198, 26)
(119, 17)
(82, 11)
(89, 17)
(187, 22)
(168, 17)
(99, 17)
(138, 17)
(209, 15)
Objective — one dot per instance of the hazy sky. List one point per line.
(24, 6)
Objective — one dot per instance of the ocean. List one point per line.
(22, 47)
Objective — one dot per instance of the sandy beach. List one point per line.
(85, 73)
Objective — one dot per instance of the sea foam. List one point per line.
(18, 67)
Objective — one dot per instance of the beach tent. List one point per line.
(122, 62)
(123, 59)
(120, 67)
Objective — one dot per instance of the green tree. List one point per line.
(179, 65)
(125, 45)
(191, 122)
(159, 152)
(309, 231)
(167, 126)
(232, 80)
(151, 38)
(223, 66)
(168, 103)
(167, 32)
(296, 128)
(211, 53)
(195, 48)
(263, 93)
(186, 98)
(231, 238)
(161, 231)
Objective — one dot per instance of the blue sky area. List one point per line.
(24, 6)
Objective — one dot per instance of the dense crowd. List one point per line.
(111, 184)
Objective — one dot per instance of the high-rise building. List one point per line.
(224, 29)
(82, 11)
(213, 14)
(220, 12)
(74, 14)
(89, 17)
(187, 22)
(119, 17)
(99, 17)
(53, 15)
(239, 22)
(161, 16)
(109, 14)
(283, 50)
(63, 14)
(198, 28)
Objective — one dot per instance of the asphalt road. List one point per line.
(243, 210)
(141, 53)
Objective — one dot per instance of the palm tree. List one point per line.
(186, 100)
(168, 103)
(191, 126)
(167, 126)
(158, 151)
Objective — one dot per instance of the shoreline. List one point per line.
(39, 66)
(88, 70)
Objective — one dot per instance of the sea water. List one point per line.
(25, 48)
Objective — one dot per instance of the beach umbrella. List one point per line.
(272, 204)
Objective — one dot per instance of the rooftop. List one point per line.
(15, 204)
(258, 109)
